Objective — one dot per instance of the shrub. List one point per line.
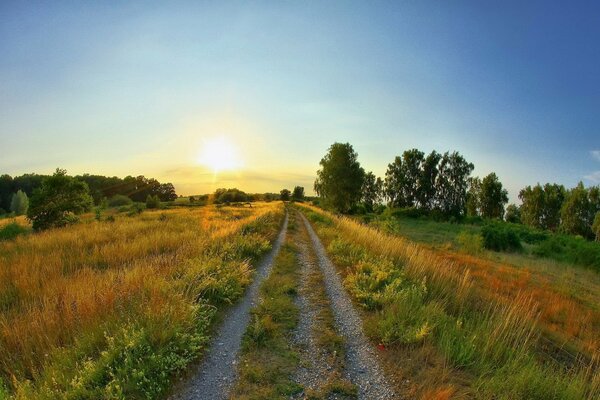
(135, 209)
(500, 238)
(152, 202)
(471, 243)
(58, 201)
(119, 200)
(11, 231)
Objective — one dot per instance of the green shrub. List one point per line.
(57, 202)
(152, 202)
(119, 200)
(471, 243)
(570, 249)
(11, 231)
(499, 237)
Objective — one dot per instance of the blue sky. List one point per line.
(140, 88)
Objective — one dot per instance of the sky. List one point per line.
(130, 88)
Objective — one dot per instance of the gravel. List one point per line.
(361, 357)
(215, 375)
(314, 366)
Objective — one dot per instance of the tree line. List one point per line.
(136, 188)
(441, 184)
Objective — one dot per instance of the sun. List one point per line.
(220, 154)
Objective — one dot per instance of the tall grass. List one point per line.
(416, 296)
(114, 309)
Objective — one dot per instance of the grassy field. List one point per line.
(115, 308)
(459, 325)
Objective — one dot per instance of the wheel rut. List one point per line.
(362, 365)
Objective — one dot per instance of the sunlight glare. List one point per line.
(219, 154)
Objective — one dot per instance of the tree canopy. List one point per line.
(340, 179)
(58, 200)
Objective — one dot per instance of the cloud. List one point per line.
(594, 177)
(596, 154)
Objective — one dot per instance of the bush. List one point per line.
(500, 238)
(58, 201)
(471, 243)
(230, 195)
(11, 231)
(119, 200)
(152, 202)
(571, 249)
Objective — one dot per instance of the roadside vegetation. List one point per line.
(268, 360)
(459, 329)
(114, 307)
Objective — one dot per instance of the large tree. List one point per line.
(394, 183)
(541, 205)
(493, 197)
(19, 203)
(284, 195)
(452, 183)
(426, 181)
(340, 179)
(577, 213)
(473, 203)
(298, 193)
(371, 191)
(58, 199)
(412, 163)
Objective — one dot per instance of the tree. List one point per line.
(19, 203)
(493, 197)
(166, 192)
(554, 196)
(230, 196)
(426, 181)
(452, 183)
(596, 226)
(513, 214)
(394, 184)
(371, 191)
(576, 213)
(340, 179)
(473, 203)
(59, 198)
(541, 206)
(284, 195)
(412, 161)
(298, 193)
(532, 209)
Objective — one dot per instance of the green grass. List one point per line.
(498, 236)
(268, 361)
(495, 346)
(12, 230)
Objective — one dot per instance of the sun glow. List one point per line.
(220, 154)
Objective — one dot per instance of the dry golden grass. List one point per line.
(21, 220)
(57, 285)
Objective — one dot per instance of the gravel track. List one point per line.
(215, 375)
(361, 358)
(314, 366)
